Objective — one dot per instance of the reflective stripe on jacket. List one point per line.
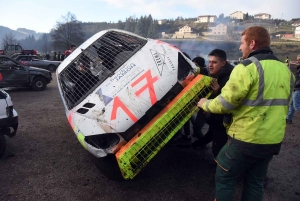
(257, 94)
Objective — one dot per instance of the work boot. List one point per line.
(289, 121)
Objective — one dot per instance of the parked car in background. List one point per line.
(15, 74)
(34, 60)
(8, 120)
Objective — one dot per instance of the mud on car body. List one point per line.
(114, 84)
(8, 119)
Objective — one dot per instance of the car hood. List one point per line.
(31, 68)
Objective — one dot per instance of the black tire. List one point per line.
(39, 84)
(108, 166)
(2, 145)
(52, 68)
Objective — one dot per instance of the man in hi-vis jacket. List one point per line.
(256, 97)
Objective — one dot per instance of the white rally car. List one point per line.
(123, 96)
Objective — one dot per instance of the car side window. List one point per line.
(6, 63)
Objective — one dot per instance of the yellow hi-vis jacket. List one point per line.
(257, 95)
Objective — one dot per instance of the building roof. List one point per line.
(207, 16)
(236, 12)
(259, 14)
(217, 25)
(192, 29)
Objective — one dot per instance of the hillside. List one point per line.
(19, 34)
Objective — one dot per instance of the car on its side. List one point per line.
(34, 60)
(8, 120)
(15, 74)
(126, 96)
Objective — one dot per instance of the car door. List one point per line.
(12, 73)
(35, 61)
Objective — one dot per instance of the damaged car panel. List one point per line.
(115, 83)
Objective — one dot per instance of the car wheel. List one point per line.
(52, 68)
(2, 145)
(39, 84)
(108, 166)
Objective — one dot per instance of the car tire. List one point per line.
(52, 68)
(108, 166)
(39, 84)
(2, 145)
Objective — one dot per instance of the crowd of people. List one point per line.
(59, 56)
(247, 113)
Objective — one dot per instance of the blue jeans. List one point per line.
(295, 105)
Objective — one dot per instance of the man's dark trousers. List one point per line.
(232, 163)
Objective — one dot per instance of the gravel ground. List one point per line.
(44, 161)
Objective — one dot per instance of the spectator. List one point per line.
(54, 56)
(68, 52)
(200, 62)
(58, 56)
(295, 104)
(220, 70)
(287, 61)
(47, 56)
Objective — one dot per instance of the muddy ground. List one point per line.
(44, 161)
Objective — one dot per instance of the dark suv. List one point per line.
(15, 74)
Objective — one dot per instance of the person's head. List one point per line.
(199, 61)
(298, 59)
(217, 60)
(73, 47)
(254, 38)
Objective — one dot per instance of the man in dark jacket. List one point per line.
(219, 69)
(295, 104)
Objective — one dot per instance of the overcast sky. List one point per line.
(42, 15)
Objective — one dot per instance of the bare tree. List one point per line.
(9, 39)
(67, 31)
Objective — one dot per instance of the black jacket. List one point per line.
(222, 78)
(297, 80)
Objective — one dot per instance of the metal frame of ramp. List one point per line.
(138, 152)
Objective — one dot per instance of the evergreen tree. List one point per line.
(139, 28)
(152, 31)
(246, 16)
(120, 25)
(130, 24)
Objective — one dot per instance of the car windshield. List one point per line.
(7, 62)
